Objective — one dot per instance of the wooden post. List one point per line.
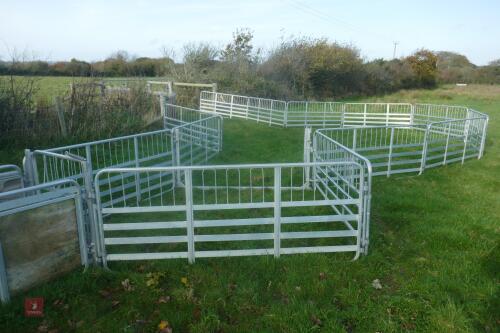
(60, 115)
(162, 104)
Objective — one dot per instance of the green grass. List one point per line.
(48, 87)
(434, 247)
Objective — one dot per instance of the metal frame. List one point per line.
(269, 111)
(403, 149)
(9, 172)
(38, 196)
(342, 115)
(157, 172)
(338, 187)
(184, 141)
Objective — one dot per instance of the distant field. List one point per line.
(51, 86)
(434, 247)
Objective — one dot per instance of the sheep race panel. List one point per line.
(157, 198)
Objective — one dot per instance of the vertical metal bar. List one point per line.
(467, 121)
(483, 138)
(45, 169)
(137, 175)
(248, 106)
(285, 120)
(4, 286)
(342, 116)
(367, 203)
(387, 115)
(99, 222)
(34, 167)
(307, 154)
(354, 139)
(162, 105)
(277, 211)
(258, 109)
(188, 174)
(91, 209)
(231, 107)
(28, 167)
(424, 149)
(82, 241)
(215, 102)
(306, 111)
(364, 114)
(314, 171)
(390, 153)
(447, 143)
(271, 112)
(177, 155)
(360, 230)
(324, 114)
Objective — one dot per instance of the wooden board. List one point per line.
(39, 244)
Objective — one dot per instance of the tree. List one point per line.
(424, 65)
(495, 62)
(316, 67)
(453, 67)
(241, 48)
(116, 64)
(334, 70)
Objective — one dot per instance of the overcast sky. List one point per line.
(93, 29)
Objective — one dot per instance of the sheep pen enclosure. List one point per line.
(399, 203)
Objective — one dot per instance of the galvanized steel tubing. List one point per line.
(396, 137)
(235, 210)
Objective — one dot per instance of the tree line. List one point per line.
(295, 68)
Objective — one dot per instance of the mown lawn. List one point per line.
(434, 248)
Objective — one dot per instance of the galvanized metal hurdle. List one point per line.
(317, 114)
(144, 149)
(269, 111)
(185, 141)
(29, 198)
(337, 114)
(393, 150)
(276, 195)
(324, 148)
(189, 138)
(176, 115)
(11, 178)
(156, 175)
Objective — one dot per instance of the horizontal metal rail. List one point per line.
(344, 115)
(232, 192)
(28, 198)
(11, 178)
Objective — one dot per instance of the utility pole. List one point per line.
(394, 52)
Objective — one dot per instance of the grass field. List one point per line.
(49, 87)
(434, 247)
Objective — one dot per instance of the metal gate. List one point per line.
(234, 210)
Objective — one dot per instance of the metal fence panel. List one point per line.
(264, 110)
(317, 114)
(11, 178)
(24, 260)
(234, 210)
